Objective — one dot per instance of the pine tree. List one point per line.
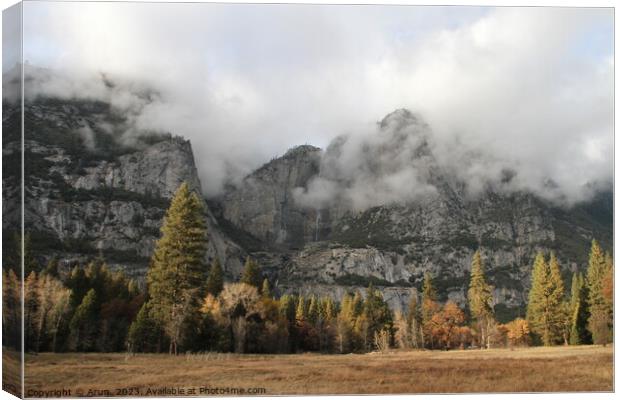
(560, 311)
(251, 274)
(215, 282)
(480, 300)
(288, 310)
(266, 290)
(177, 271)
(578, 311)
(84, 324)
(52, 268)
(545, 308)
(413, 321)
(376, 315)
(429, 308)
(143, 332)
(428, 291)
(599, 320)
(78, 283)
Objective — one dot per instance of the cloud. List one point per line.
(503, 89)
(391, 163)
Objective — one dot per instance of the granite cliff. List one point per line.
(91, 191)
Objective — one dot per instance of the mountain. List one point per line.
(327, 247)
(314, 219)
(88, 192)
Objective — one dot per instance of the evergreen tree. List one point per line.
(215, 282)
(414, 322)
(143, 332)
(599, 320)
(84, 324)
(429, 308)
(288, 311)
(266, 290)
(252, 274)
(545, 308)
(52, 268)
(578, 311)
(480, 300)
(377, 315)
(428, 291)
(78, 283)
(177, 269)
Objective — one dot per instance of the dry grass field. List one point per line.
(584, 368)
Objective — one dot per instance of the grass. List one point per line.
(582, 368)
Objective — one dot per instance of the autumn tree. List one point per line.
(177, 271)
(446, 324)
(53, 307)
(238, 304)
(545, 310)
(518, 332)
(345, 325)
(31, 309)
(480, 299)
(11, 310)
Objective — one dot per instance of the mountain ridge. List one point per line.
(97, 193)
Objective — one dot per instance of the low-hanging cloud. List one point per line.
(510, 94)
(392, 163)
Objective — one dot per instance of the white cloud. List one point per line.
(529, 88)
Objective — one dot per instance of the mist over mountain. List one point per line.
(379, 163)
(377, 207)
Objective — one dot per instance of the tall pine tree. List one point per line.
(578, 310)
(429, 308)
(480, 300)
(176, 276)
(215, 282)
(599, 320)
(545, 309)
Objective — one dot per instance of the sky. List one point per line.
(528, 89)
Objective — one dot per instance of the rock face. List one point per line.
(392, 245)
(92, 190)
(264, 206)
(82, 200)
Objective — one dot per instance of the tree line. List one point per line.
(187, 306)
